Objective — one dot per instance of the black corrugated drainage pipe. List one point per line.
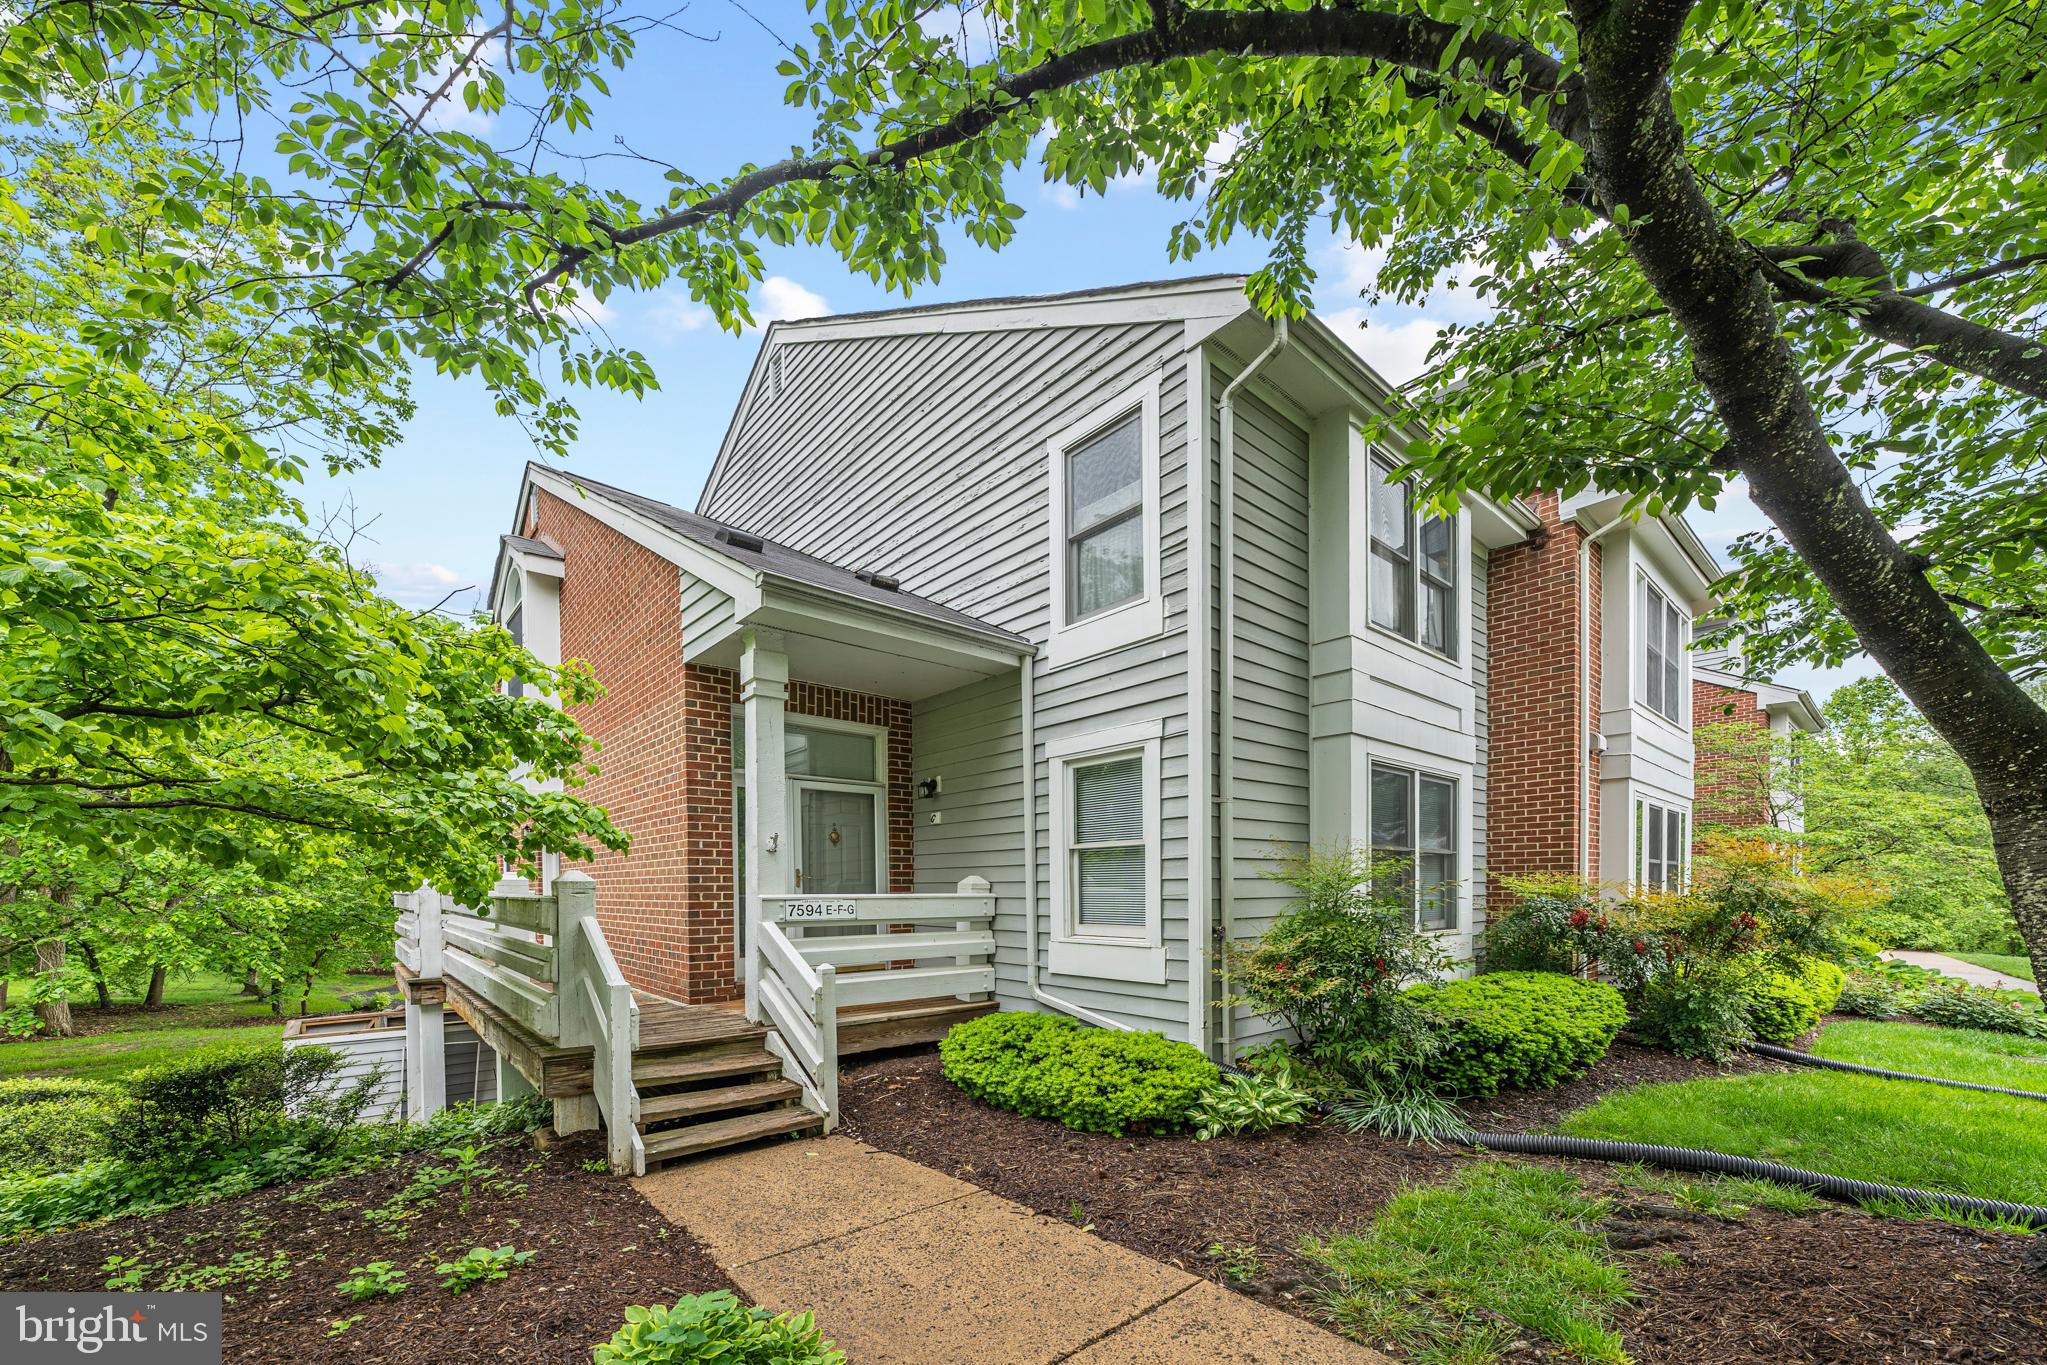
(1787, 1054)
(1722, 1163)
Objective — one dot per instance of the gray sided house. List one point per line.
(1039, 629)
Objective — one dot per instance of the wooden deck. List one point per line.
(862, 1028)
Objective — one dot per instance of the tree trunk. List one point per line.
(98, 973)
(251, 985)
(1717, 293)
(154, 999)
(54, 1010)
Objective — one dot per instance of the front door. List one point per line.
(838, 845)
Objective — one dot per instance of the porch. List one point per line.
(532, 975)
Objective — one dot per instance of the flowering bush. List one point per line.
(1561, 925)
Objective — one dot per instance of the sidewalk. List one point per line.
(903, 1264)
(1967, 971)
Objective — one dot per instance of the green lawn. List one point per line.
(197, 1010)
(1456, 1272)
(1957, 1054)
(2005, 964)
(1897, 1132)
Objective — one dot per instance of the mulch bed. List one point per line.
(1831, 1286)
(601, 1247)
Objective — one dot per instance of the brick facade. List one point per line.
(1731, 786)
(1544, 778)
(664, 771)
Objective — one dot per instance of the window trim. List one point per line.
(1142, 617)
(1104, 952)
(1681, 866)
(1384, 462)
(1655, 599)
(1459, 918)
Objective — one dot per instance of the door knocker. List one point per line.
(833, 837)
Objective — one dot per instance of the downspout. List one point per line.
(1226, 697)
(1587, 788)
(1029, 729)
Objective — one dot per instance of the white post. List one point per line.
(426, 1038)
(763, 697)
(575, 912)
(970, 886)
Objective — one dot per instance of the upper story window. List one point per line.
(1103, 476)
(1105, 520)
(1414, 568)
(515, 623)
(1414, 824)
(1663, 650)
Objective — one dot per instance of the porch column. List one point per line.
(763, 698)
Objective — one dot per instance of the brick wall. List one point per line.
(1543, 778)
(665, 766)
(1730, 785)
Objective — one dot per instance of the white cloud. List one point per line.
(420, 584)
(584, 307)
(1063, 195)
(674, 313)
(1398, 351)
(781, 299)
(1353, 270)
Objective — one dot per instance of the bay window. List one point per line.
(1414, 568)
(1413, 820)
(1663, 654)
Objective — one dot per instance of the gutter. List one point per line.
(1587, 789)
(1226, 702)
(1028, 727)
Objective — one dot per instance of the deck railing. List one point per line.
(914, 947)
(542, 961)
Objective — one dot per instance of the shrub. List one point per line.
(1696, 1009)
(1826, 982)
(1872, 996)
(218, 1098)
(1780, 1006)
(1091, 1079)
(1241, 1103)
(716, 1327)
(1527, 1029)
(1965, 1006)
(36, 1089)
(1560, 925)
(1332, 966)
(55, 1134)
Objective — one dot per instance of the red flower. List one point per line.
(1580, 917)
(1640, 946)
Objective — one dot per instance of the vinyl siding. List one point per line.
(923, 457)
(1270, 797)
(706, 611)
(1481, 728)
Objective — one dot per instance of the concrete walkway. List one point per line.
(1967, 971)
(902, 1263)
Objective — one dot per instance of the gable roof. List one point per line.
(755, 553)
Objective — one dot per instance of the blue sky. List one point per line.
(436, 507)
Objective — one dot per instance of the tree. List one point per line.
(1793, 245)
(185, 666)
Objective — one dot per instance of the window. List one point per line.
(1106, 845)
(1103, 485)
(1105, 520)
(515, 624)
(1661, 845)
(1414, 573)
(1414, 824)
(1663, 630)
(1106, 899)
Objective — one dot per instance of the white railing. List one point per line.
(542, 961)
(804, 978)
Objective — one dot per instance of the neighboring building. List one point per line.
(1736, 784)
(1101, 598)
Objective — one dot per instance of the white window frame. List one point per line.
(1681, 862)
(1655, 597)
(1144, 616)
(1460, 856)
(1108, 953)
(1379, 464)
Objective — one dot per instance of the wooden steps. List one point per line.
(688, 1104)
(684, 1068)
(676, 1143)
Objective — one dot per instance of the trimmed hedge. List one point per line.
(56, 1134)
(1526, 1029)
(1091, 1079)
(1782, 1005)
(36, 1089)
